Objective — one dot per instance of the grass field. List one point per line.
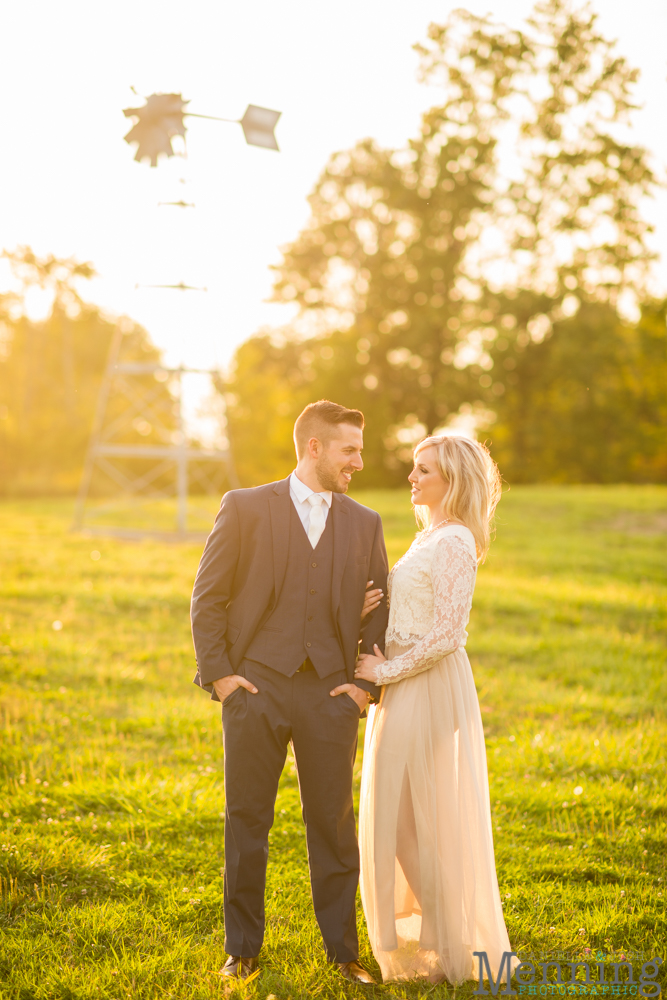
(111, 760)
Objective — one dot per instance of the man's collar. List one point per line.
(302, 492)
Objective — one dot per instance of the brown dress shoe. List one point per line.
(355, 973)
(237, 967)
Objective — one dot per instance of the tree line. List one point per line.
(586, 404)
(50, 376)
(490, 275)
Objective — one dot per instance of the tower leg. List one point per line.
(102, 399)
(181, 468)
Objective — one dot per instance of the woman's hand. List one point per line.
(367, 665)
(371, 600)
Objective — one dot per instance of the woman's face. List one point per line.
(428, 486)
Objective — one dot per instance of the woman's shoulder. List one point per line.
(444, 535)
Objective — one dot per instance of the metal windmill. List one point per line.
(140, 398)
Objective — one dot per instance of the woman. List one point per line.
(428, 878)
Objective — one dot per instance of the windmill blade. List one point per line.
(157, 123)
(258, 126)
(180, 287)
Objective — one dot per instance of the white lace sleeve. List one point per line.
(453, 572)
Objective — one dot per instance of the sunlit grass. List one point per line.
(129, 515)
(111, 760)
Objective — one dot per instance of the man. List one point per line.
(276, 625)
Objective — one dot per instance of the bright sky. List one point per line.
(338, 72)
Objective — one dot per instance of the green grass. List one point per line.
(111, 761)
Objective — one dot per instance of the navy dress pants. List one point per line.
(257, 729)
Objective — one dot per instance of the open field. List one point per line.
(111, 761)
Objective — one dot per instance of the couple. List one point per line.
(279, 608)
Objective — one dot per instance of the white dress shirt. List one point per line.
(299, 493)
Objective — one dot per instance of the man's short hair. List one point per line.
(319, 420)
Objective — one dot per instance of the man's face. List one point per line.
(340, 458)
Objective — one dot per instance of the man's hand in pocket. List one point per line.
(357, 694)
(225, 686)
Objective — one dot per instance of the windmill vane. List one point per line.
(161, 119)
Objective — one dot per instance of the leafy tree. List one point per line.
(267, 394)
(588, 403)
(648, 378)
(424, 273)
(50, 375)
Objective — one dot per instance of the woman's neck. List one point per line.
(436, 518)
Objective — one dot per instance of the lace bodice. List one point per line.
(430, 595)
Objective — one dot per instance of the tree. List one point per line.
(425, 272)
(589, 402)
(59, 276)
(50, 374)
(267, 394)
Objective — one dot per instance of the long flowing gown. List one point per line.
(428, 876)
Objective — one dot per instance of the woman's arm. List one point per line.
(453, 571)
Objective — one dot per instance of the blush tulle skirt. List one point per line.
(428, 876)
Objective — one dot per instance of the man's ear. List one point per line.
(315, 447)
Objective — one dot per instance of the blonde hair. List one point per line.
(474, 482)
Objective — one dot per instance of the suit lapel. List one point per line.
(341, 541)
(279, 508)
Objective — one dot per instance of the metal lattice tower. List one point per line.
(138, 398)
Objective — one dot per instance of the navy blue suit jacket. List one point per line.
(242, 570)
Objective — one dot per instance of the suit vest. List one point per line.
(301, 623)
